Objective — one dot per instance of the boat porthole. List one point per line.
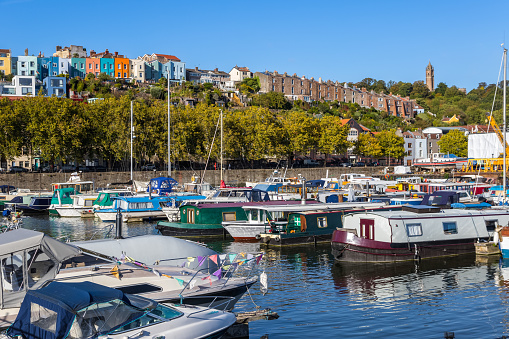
(197, 212)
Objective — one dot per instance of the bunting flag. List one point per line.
(213, 258)
(250, 256)
(115, 271)
(259, 258)
(191, 284)
(232, 257)
(190, 260)
(243, 254)
(217, 273)
(156, 272)
(167, 276)
(183, 264)
(180, 281)
(222, 257)
(227, 267)
(201, 260)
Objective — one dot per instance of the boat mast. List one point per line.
(131, 142)
(169, 153)
(221, 146)
(505, 127)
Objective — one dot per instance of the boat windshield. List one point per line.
(159, 314)
(103, 318)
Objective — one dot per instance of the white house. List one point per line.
(21, 85)
(138, 70)
(238, 74)
(415, 147)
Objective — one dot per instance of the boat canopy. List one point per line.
(28, 259)
(162, 185)
(62, 310)
(441, 198)
(6, 188)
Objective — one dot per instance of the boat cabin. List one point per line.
(161, 185)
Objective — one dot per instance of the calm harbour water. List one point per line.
(314, 296)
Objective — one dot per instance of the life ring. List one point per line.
(387, 176)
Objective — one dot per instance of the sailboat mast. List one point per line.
(169, 112)
(505, 126)
(131, 141)
(221, 145)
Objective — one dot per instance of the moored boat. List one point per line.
(409, 235)
(88, 310)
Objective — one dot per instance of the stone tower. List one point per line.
(430, 77)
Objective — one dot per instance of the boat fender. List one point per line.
(258, 237)
(264, 283)
(277, 238)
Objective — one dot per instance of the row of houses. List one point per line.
(75, 61)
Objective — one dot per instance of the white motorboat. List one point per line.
(196, 275)
(88, 310)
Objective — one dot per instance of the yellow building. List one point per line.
(450, 120)
(5, 61)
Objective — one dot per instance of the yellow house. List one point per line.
(5, 61)
(450, 120)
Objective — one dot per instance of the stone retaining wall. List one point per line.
(43, 181)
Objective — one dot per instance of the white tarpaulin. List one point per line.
(485, 145)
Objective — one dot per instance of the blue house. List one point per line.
(47, 66)
(153, 70)
(77, 68)
(108, 66)
(56, 86)
(177, 70)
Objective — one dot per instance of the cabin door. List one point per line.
(367, 229)
(190, 216)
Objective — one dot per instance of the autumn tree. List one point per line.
(369, 146)
(332, 138)
(391, 144)
(455, 142)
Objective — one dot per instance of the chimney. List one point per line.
(106, 52)
(116, 54)
(216, 70)
(320, 79)
(196, 68)
(92, 53)
(285, 74)
(59, 48)
(295, 74)
(275, 72)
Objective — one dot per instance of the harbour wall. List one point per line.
(43, 181)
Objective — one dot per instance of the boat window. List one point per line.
(89, 203)
(321, 222)
(43, 318)
(140, 205)
(491, 225)
(450, 227)
(253, 215)
(229, 216)
(414, 230)
(139, 289)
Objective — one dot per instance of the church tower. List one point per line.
(430, 77)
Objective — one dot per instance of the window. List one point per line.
(119, 66)
(1, 62)
(82, 66)
(414, 230)
(118, 75)
(57, 83)
(450, 227)
(125, 66)
(75, 65)
(491, 225)
(25, 82)
(22, 64)
(229, 216)
(43, 317)
(104, 66)
(141, 75)
(139, 288)
(409, 153)
(26, 90)
(32, 64)
(96, 66)
(54, 64)
(409, 145)
(321, 222)
(282, 89)
(111, 66)
(125, 75)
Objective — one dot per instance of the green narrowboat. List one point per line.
(310, 227)
(202, 219)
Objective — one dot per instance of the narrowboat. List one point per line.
(262, 217)
(312, 227)
(413, 234)
(204, 219)
(134, 208)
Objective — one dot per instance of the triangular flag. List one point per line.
(240, 262)
(180, 281)
(222, 256)
(192, 283)
(258, 259)
(201, 260)
(217, 273)
(156, 272)
(167, 276)
(189, 261)
(213, 258)
(115, 271)
(232, 257)
(227, 267)
(243, 254)
(250, 256)
(183, 264)
(205, 278)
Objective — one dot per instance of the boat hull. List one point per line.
(176, 229)
(346, 246)
(288, 239)
(131, 216)
(71, 212)
(244, 232)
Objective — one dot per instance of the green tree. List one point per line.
(392, 145)
(369, 146)
(455, 142)
(332, 138)
(249, 85)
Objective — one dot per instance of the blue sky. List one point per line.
(336, 40)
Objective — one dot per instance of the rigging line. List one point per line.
(491, 113)
(210, 150)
